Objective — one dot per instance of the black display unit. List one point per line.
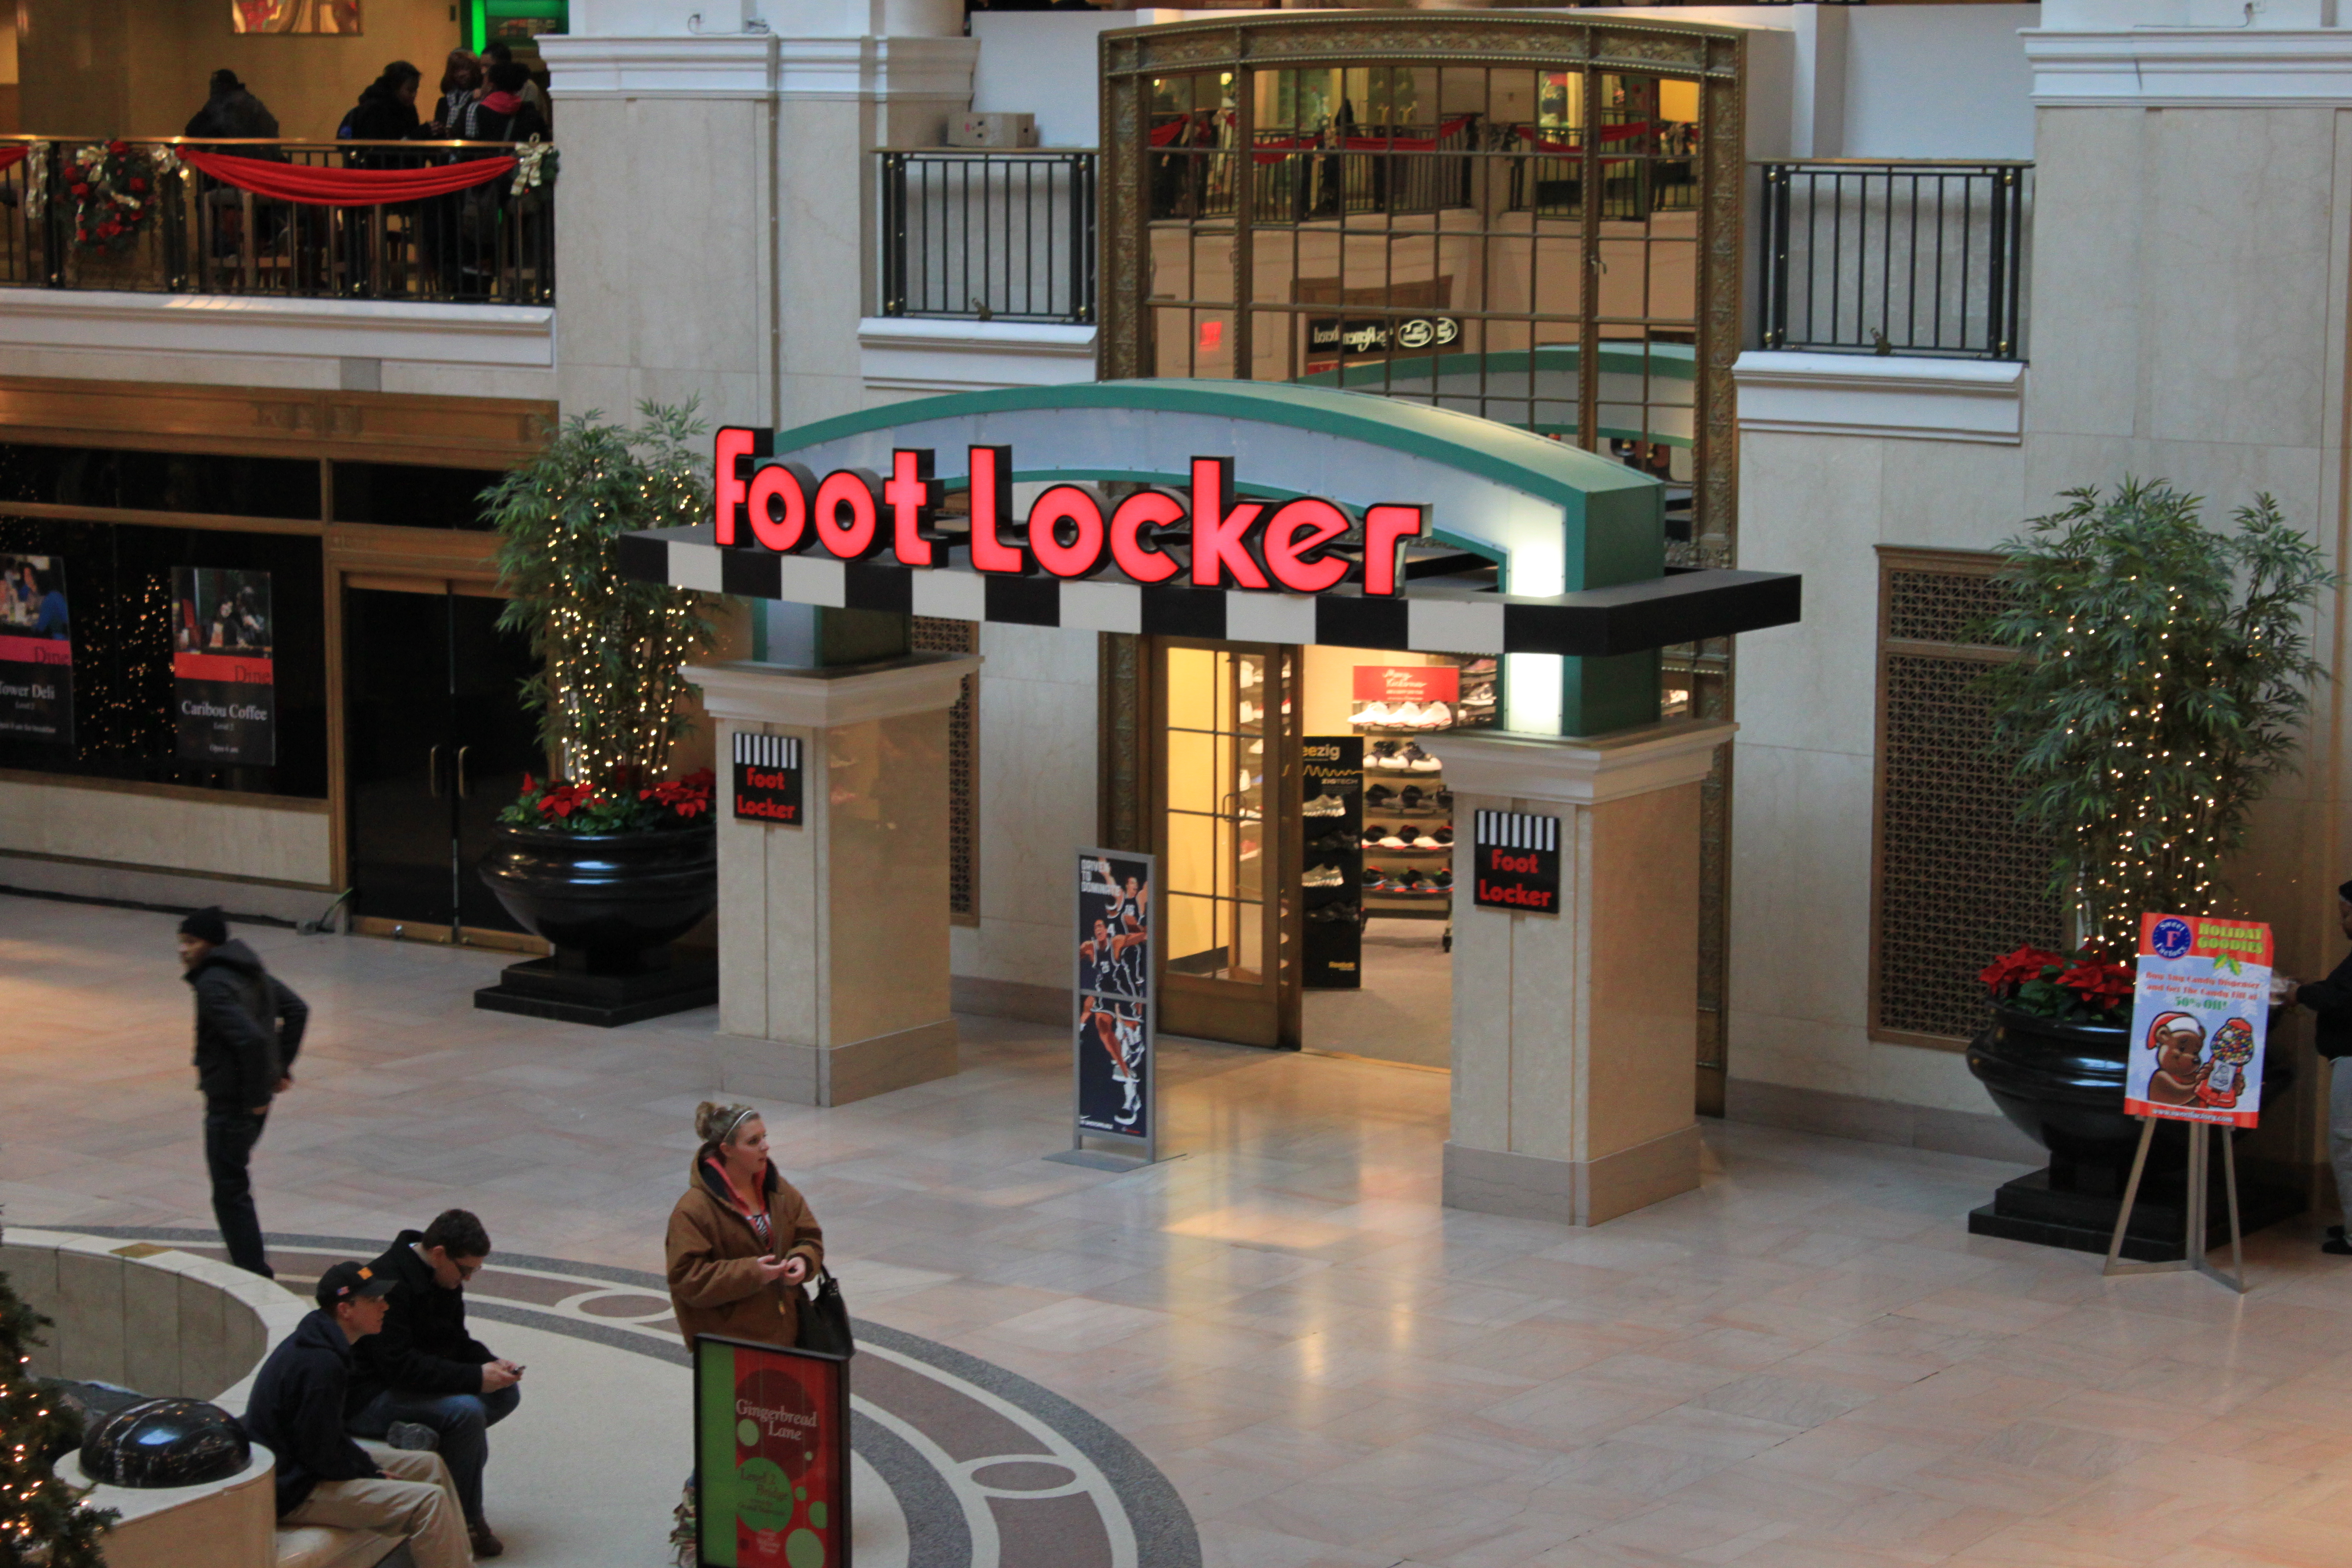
(1331, 861)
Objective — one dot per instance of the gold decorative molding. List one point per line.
(355, 427)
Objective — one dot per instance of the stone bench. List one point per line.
(174, 1325)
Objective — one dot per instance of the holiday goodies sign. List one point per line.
(772, 1455)
(224, 675)
(2199, 1013)
(35, 651)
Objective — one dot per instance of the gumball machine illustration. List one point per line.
(2233, 1048)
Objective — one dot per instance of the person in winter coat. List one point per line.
(741, 1239)
(503, 113)
(386, 110)
(249, 1028)
(461, 80)
(2331, 1035)
(424, 1367)
(232, 111)
(296, 1411)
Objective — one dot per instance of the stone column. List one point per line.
(832, 935)
(1576, 1034)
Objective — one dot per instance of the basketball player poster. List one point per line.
(2200, 1013)
(1112, 1023)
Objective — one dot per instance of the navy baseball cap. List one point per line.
(352, 1282)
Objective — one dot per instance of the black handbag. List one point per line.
(825, 1318)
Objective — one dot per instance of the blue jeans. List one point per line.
(462, 1421)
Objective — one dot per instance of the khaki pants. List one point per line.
(415, 1500)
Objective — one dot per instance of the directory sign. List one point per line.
(771, 1455)
(1112, 1025)
(2200, 1016)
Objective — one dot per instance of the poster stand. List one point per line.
(1115, 1024)
(2193, 1241)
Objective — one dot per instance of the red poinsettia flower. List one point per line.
(80, 189)
(2098, 980)
(117, 147)
(137, 184)
(2017, 968)
(528, 785)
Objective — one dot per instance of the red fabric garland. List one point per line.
(12, 156)
(345, 187)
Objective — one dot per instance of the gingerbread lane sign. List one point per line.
(1072, 531)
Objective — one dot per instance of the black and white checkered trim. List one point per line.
(1431, 616)
(767, 751)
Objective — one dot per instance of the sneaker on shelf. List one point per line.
(1442, 881)
(1249, 849)
(1427, 840)
(1371, 717)
(1479, 666)
(1411, 798)
(1251, 714)
(1325, 804)
(1372, 835)
(1419, 761)
(1405, 716)
(1394, 840)
(1443, 800)
(1251, 675)
(1374, 880)
(1339, 841)
(1389, 760)
(1412, 882)
(1436, 716)
(1324, 876)
(1379, 752)
(1480, 697)
(1443, 835)
(1251, 814)
(1257, 749)
(1378, 796)
(1345, 910)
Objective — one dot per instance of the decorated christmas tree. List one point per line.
(40, 1525)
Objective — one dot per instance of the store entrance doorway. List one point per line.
(436, 745)
(1223, 818)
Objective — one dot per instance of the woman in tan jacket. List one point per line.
(741, 1239)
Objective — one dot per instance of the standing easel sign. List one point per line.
(2200, 1018)
(1113, 1022)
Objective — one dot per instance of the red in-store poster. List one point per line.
(772, 1455)
(35, 651)
(1395, 683)
(224, 671)
(2200, 1010)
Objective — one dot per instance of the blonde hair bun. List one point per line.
(715, 1122)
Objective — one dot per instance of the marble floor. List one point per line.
(1807, 1364)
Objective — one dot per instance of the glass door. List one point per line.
(1227, 755)
(438, 745)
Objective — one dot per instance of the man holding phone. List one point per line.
(423, 1381)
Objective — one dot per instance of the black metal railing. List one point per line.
(1896, 258)
(194, 234)
(985, 235)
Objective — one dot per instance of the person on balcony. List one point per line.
(232, 112)
(386, 110)
(504, 112)
(461, 82)
(530, 92)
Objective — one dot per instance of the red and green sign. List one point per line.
(772, 1455)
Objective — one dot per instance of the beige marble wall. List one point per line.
(1037, 802)
(665, 237)
(887, 837)
(279, 844)
(2189, 275)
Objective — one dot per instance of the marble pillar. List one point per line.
(832, 935)
(1576, 1034)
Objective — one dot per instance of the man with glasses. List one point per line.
(423, 1381)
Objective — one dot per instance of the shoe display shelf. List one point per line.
(1431, 903)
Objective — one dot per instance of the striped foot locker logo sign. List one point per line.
(1516, 862)
(768, 779)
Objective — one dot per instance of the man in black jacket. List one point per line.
(249, 1028)
(296, 1411)
(232, 111)
(424, 1368)
(2330, 1000)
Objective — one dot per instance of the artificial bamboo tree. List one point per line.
(609, 690)
(2163, 668)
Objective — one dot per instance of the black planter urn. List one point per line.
(2063, 1086)
(610, 904)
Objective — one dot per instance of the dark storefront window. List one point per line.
(405, 495)
(117, 585)
(161, 482)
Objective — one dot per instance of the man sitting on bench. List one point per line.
(324, 1478)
